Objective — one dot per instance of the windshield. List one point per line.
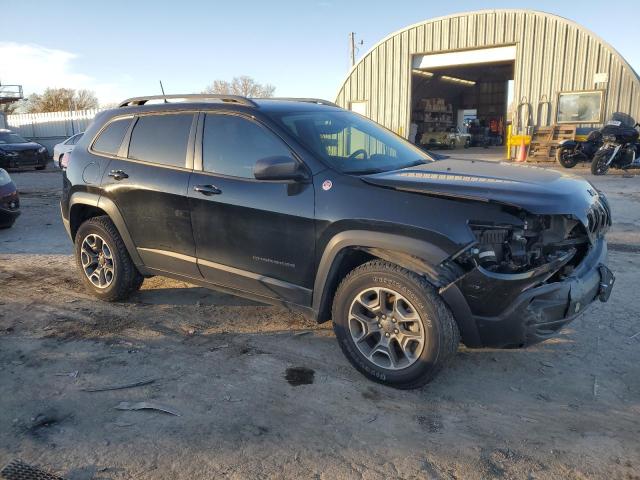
(8, 137)
(351, 143)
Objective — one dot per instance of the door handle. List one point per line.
(118, 174)
(207, 190)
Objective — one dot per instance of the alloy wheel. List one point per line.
(97, 261)
(386, 328)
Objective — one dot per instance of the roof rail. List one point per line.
(319, 101)
(190, 97)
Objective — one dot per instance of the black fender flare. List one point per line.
(416, 255)
(109, 207)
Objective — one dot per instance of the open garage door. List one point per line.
(459, 99)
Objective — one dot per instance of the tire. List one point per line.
(561, 157)
(123, 274)
(467, 143)
(452, 145)
(419, 300)
(41, 167)
(598, 165)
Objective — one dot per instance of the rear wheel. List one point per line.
(565, 157)
(41, 167)
(106, 267)
(599, 164)
(393, 326)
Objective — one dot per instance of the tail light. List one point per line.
(64, 161)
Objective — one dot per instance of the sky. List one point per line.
(121, 49)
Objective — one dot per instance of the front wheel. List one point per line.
(599, 164)
(393, 326)
(566, 157)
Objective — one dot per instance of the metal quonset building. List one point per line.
(436, 73)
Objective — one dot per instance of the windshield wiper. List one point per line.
(368, 171)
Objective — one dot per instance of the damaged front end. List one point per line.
(524, 281)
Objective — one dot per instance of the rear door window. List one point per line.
(161, 139)
(74, 140)
(111, 137)
(232, 145)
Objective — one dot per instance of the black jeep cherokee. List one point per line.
(299, 202)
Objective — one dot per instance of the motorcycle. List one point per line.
(620, 148)
(570, 152)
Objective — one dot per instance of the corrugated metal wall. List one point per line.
(554, 55)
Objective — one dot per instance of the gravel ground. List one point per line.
(263, 393)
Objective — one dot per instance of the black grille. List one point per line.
(18, 470)
(599, 217)
(28, 156)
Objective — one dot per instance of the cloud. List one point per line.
(36, 67)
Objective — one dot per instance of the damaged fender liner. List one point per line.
(516, 310)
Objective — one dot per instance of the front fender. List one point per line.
(568, 144)
(413, 254)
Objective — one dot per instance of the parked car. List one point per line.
(451, 138)
(65, 147)
(17, 152)
(305, 204)
(9, 200)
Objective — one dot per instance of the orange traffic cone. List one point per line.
(522, 153)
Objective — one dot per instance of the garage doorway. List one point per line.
(460, 99)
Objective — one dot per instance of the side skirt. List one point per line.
(306, 311)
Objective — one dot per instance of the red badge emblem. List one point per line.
(327, 184)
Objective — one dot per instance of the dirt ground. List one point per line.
(567, 408)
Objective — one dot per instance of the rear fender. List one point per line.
(110, 208)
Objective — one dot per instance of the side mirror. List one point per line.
(279, 168)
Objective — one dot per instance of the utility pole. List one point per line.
(352, 47)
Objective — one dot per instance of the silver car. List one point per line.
(65, 147)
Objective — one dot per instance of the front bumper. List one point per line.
(23, 160)
(511, 313)
(9, 209)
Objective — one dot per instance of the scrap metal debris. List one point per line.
(18, 470)
(146, 406)
(119, 387)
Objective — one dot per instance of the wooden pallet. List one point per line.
(544, 141)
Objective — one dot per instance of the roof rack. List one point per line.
(319, 101)
(130, 102)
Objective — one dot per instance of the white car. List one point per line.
(65, 147)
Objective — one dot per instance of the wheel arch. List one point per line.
(86, 205)
(347, 250)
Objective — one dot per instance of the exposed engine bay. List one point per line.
(537, 241)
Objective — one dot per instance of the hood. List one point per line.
(534, 189)
(19, 147)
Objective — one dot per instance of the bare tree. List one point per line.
(61, 99)
(244, 85)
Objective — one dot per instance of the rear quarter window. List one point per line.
(110, 138)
